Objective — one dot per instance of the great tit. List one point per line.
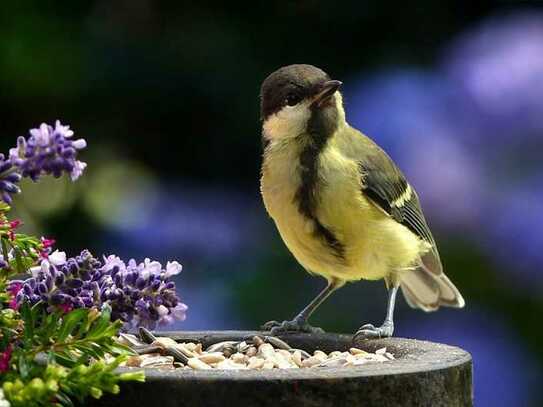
(343, 208)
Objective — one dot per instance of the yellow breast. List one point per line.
(279, 183)
(374, 244)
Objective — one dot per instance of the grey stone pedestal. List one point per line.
(423, 374)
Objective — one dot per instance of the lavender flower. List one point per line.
(142, 294)
(48, 151)
(8, 180)
(138, 294)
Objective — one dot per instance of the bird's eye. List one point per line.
(292, 99)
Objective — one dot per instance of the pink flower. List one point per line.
(47, 243)
(5, 358)
(46, 247)
(65, 308)
(14, 224)
(14, 289)
(13, 304)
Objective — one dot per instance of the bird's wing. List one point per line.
(426, 287)
(386, 186)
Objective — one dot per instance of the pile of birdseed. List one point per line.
(256, 353)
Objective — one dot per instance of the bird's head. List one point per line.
(300, 99)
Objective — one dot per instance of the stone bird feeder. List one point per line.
(422, 374)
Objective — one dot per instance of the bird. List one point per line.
(341, 205)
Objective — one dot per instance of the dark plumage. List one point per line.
(384, 184)
(297, 80)
(320, 129)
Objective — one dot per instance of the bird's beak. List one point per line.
(326, 91)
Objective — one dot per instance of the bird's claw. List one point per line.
(276, 327)
(369, 331)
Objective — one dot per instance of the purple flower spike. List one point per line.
(138, 294)
(8, 180)
(48, 151)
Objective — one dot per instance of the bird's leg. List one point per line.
(386, 330)
(299, 323)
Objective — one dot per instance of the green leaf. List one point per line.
(103, 327)
(19, 261)
(26, 315)
(51, 324)
(5, 250)
(64, 400)
(24, 367)
(64, 360)
(70, 321)
(118, 349)
(92, 349)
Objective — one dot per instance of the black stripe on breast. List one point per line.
(265, 141)
(320, 128)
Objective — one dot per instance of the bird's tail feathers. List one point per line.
(428, 291)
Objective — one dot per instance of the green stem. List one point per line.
(56, 347)
(5, 253)
(4, 249)
(19, 261)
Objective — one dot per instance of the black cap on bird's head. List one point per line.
(293, 84)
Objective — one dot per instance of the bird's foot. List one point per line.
(369, 331)
(295, 325)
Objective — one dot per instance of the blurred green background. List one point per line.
(166, 95)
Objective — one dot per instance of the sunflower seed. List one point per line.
(312, 361)
(255, 363)
(256, 353)
(239, 358)
(257, 341)
(276, 342)
(146, 335)
(164, 342)
(297, 358)
(284, 362)
(266, 350)
(133, 361)
(130, 340)
(209, 358)
(303, 353)
(181, 347)
(219, 346)
(268, 365)
(242, 347)
(156, 361)
(197, 364)
(149, 349)
(177, 354)
(334, 362)
(229, 365)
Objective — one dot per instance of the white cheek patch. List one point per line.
(289, 122)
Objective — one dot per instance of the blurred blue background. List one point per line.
(166, 95)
